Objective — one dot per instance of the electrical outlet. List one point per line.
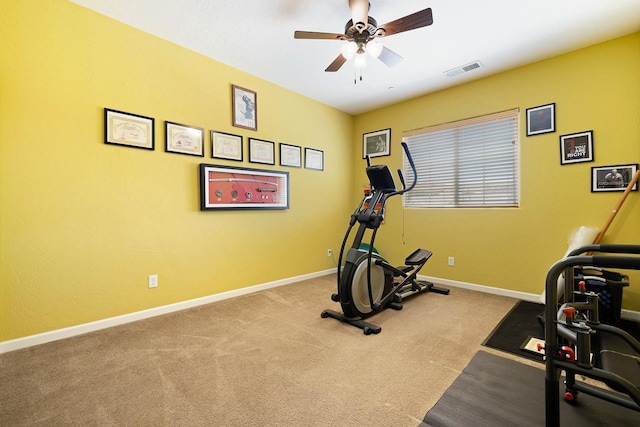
(329, 253)
(153, 281)
(452, 261)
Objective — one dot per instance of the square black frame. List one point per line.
(576, 147)
(541, 119)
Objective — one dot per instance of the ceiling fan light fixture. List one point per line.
(360, 61)
(349, 50)
(374, 48)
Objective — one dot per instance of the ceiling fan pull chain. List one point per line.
(355, 75)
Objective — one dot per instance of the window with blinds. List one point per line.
(468, 163)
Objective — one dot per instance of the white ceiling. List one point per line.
(256, 36)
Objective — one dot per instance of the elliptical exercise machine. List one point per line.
(369, 284)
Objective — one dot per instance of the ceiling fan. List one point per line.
(362, 33)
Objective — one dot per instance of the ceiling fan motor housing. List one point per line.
(369, 31)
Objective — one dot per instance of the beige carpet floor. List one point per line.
(265, 359)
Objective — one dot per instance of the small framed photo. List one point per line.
(613, 178)
(576, 147)
(131, 130)
(245, 108)
(541, 119)
(290, 155)
(184, 139)
(313, 159)
(226, 146)
(261, 151)
(228, 187)
(375, 144)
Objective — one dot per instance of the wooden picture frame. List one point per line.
(226, 146)
(128, 129)
(184, 139)
(230, 187)
(376, 144)
(244, 107)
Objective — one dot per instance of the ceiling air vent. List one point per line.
(463, 69)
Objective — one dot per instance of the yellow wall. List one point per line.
(83, 224)
(597, 88)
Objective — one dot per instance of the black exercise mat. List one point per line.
(515, 329)
(495, 391)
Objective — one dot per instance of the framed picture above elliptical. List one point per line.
(375, 144)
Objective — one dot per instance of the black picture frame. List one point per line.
(226, 146)
(262, 151)
(313, 159)
(128, 129)
(290, 155)
(576, 147)
(541, 119)
(613, 178)
(232, 187)
(377, 143)
(183, 139)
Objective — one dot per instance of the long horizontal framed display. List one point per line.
(229, 187)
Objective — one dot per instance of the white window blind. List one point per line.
(468, 163)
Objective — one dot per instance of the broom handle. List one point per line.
(615, 210)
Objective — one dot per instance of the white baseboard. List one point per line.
(626, 314)
(481, 288)
(72, 331)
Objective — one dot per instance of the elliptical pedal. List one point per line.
(419, 256)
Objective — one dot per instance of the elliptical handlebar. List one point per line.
(413, 169)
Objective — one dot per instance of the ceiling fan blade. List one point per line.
(410, 22)
(336, 64)
(389, 57)
(315, 35)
